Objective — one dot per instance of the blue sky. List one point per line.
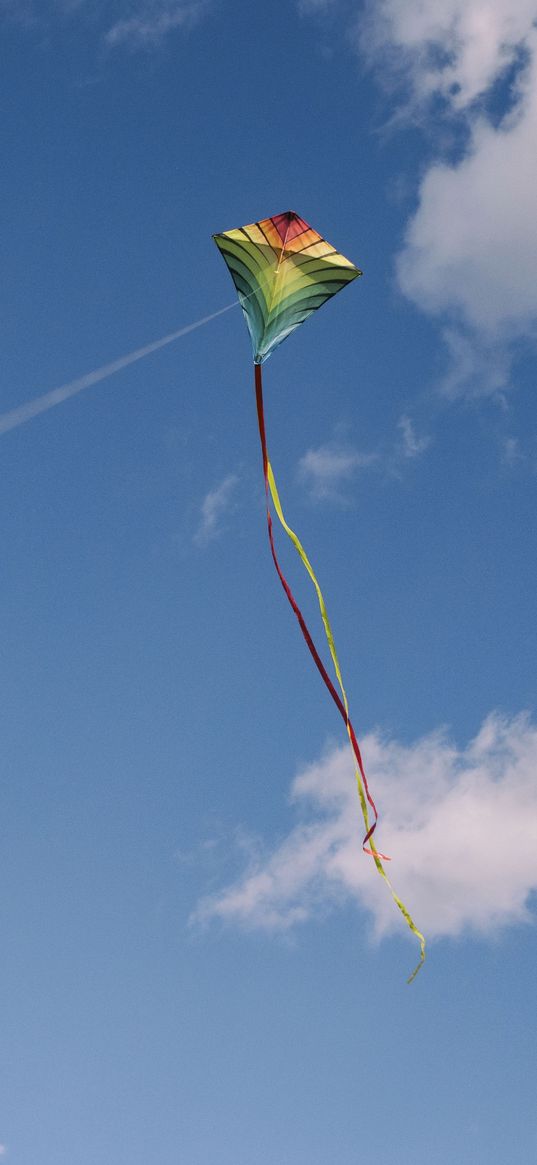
(199, 964)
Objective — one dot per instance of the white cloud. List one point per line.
(470, 248)
(328, 470)
(152, 21)
(215, 505)
(452, 48)
(459, 824)
(411, 444)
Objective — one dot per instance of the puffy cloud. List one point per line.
(215, 505)
(453, 48)
(470, 248)
(459, 824)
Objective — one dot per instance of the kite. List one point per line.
(283, 270)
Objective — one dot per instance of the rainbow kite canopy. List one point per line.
(283, 271)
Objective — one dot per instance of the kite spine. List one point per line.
(341, 702)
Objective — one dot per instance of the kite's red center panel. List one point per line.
(289, 225)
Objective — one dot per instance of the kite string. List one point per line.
(342, 704)
(41, 404)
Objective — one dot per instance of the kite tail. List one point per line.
(341, 701)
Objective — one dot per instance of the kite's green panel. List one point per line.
(283, 271)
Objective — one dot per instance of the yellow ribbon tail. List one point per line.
(341, 702)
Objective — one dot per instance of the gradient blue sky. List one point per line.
(199, 965)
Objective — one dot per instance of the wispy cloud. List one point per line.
(307, 7)
(328, 471)
(128, 24)
(152, 22)
(477, 365)
(512, 454)
(216, 504)
(459, 824)
(411, 444)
